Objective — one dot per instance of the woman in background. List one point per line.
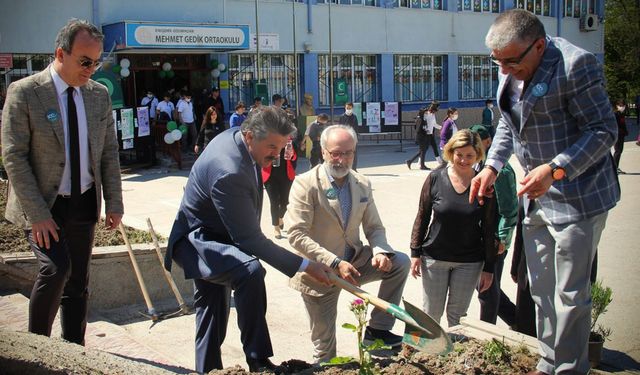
(618, 111)
(212, 125)
(455, 251)
(278, 178)
(449, 127)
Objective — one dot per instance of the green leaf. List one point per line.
(378, 344)
(336, 361)
(349, 326)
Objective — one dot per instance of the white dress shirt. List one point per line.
(86, 174)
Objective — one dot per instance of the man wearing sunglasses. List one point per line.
(327, 207)
(61, 154)
(557, 119)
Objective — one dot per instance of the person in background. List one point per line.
(151, 102)
(238, 116)
(329, 206)
(277, 101)
(454, 252)
(257, 103)
(449, 127)
(60, 150)
(217, 241)
(214, 100)
(313, 134)
(186, 116)
(487, 117)
(165, 108)
(277, 178)
(212, 126)
(493, 301)
(350, 119)
(557, 119)
(620, 107)
(425, 135)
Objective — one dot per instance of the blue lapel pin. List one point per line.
(540, 89)
(331, 193)
(52, 115)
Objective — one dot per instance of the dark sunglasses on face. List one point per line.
(90, 64)
(512, 62)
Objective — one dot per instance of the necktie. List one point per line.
(260, 190)
(74, 146)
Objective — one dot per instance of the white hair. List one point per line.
(515, 25)
(325, 134)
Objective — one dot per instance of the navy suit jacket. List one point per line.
(218, 224)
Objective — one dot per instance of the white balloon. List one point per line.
(176, 134)
(168, 138)
(166, 66)
(221, 67)
(125, 63)
(215, 73)
(125, 72)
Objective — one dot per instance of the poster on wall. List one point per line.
(391, 113)
(127, 144)
(143, 121)
(126, 123)
(357, 111)
(373, 117)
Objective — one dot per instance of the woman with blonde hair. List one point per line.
(455, 251)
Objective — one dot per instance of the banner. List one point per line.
(126, 123)
(373, 117)
(391, 115)
(112, 82)
(340, 91)
(357, 111)
(143, 121)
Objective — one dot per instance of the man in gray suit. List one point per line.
(60, 152)
(557, 119)
(217, 240)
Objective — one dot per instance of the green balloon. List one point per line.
(171, 125)
(162, 74)
(116, 69)
(183, 129)
(170, 74)
(214, 64)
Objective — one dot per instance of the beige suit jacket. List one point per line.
(316, 228)
(33, 148)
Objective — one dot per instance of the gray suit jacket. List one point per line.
(567, 119)
(33, 148)
(218, 224)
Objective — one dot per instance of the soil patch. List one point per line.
(12, 238)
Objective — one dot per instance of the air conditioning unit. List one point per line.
(589, 22)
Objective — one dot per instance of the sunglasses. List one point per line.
(90, 64)
(512, 62)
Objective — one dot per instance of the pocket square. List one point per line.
(364, 199)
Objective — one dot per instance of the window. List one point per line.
(487, 6)
(419, 77)
(372, 3)
(477, 77)
(424, 4)
(577, 8)
(539, 7)
(359, 72)
(277, 71)
(23, 65)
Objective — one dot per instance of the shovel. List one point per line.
(421, 331)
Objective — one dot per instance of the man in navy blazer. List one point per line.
(557, 119)
(217, 240)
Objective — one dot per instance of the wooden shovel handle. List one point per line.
(136, 269)
(167, 274)
(342, 283)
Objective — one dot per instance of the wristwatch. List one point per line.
(557, 172)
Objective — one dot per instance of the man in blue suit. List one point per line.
(557, 119)
(216, 238)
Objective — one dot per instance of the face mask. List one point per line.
(187, 100)
(490, 106)
(454, 117)
(621, 109)
(348, 112)
(149, 96)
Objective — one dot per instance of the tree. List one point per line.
(622, 48)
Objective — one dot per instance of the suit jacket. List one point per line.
(218, 224)
(567, 119)
(316, 229)
(33, 148)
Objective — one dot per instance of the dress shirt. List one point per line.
(185, 109)
(86, 175)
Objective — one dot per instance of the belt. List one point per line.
(68, 196)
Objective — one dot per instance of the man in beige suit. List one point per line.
(60, 152)
(327, 205)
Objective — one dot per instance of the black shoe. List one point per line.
(261, 365)
(620, 171)
(389, 339)
(425, 168)
(408, 163)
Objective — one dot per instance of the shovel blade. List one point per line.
(427, 336)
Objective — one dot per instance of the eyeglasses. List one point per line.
(90, 64)
(339, 154)
(512, 62)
